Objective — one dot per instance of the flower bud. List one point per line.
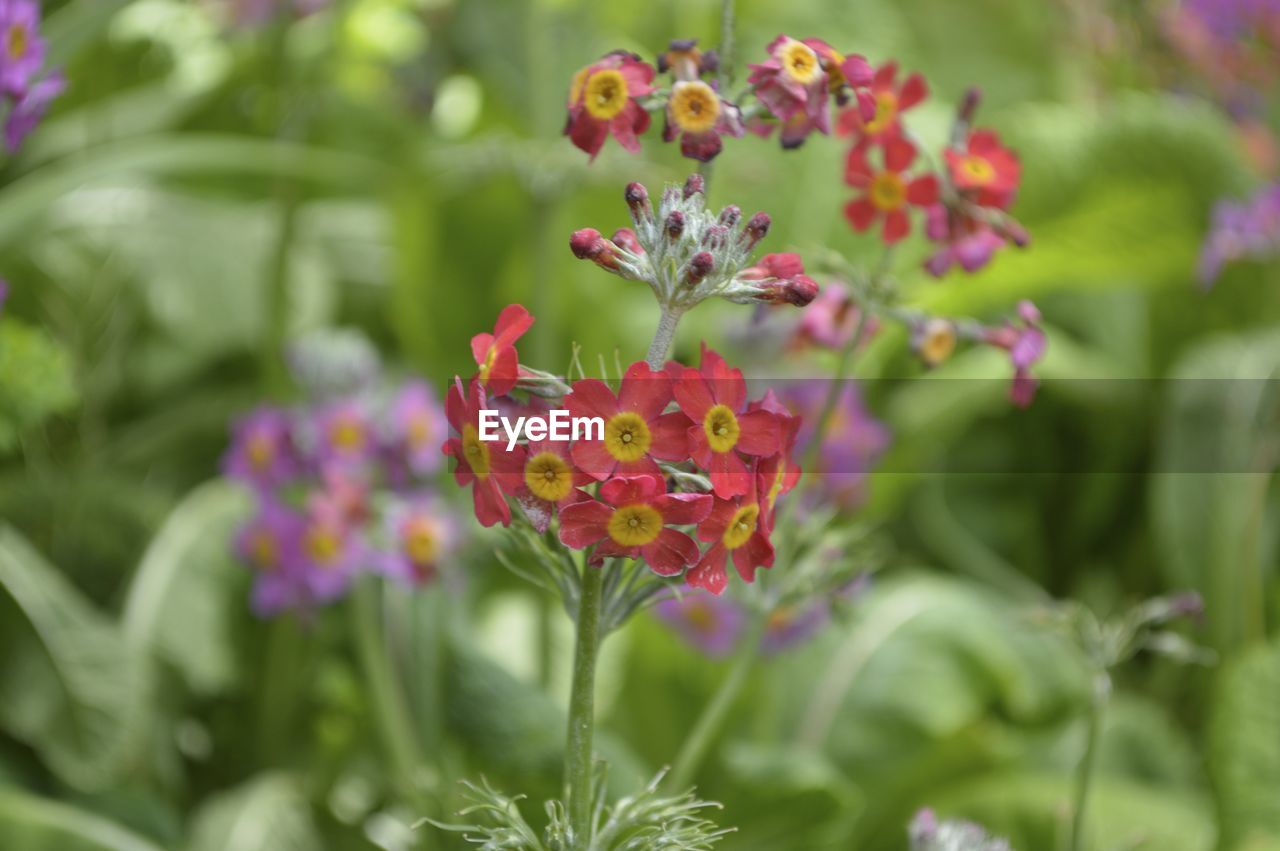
(1012, 230)
(626, 238)
(799, 290)
(934, 341)
(583, 243)
(700, 266)
(710, 62)
(730, 215)
(674, 225)
(969, 106)
(756, 229)
(638, 202)
(716, 237)
(695, 185)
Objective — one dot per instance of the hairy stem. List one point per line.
(1084, 774)
(582, 698)
(663, 338)
(696, 745)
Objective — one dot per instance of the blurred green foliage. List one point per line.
(199, 196)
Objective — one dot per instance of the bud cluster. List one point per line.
(687, 253)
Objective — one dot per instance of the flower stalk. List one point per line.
(1084, 774)
(663, 339)
(580, 740)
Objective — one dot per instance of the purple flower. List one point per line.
(1241, 230)
(29, 108)
(345, 436)
(965, 242)
(792, 625)
(829, 320)
(418, 428)
(331, 552)
(268, 544)
(852, 443)
(420, 533)
(21, 47)
(1026, 345)
(262, 451)
(711, 624)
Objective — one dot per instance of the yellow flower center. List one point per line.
(835, 77)
(781, 618)
(475, 450)
(605, 94)
(420, 542)
(742, 526)
(800, 62)
(322, 545)
(888, 191)
(577, 85)
(700, 617)
(263, 550)
(635, 525)
(627, 437)
(694, 106)
(548, 476)
(17, 41)
(347, 434)
(938, 342)
(721, 428)
(780, 478)
(261, 451)
(419, 430)
(886, 111)
(977, 169)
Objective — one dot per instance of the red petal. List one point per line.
(756, 552)
(480, 345)
(591, 397)
(899, 154)
(629, 490)
(857, 171)
(896, 226)
(729, 476)
(670, 436)
(513, 321)
(584, 523)
(646, 466)
(884, 75)
(504, 372)
(923, 191)
(913, 91)
(983, 142)
(682, 509)
(587, 133)
(692, 393)
(861, 213)
(717, 521)
(455, 406)
(760, 435)
(490, 506)
(709, 573)
(644, 391)
(670, 552)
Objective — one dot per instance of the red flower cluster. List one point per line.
(610, 492)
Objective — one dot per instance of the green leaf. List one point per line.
(32, 823)
(186, 590)
(35, 380)
(71, 686)
(1244, 749)
(1217, 451)
(269, 813)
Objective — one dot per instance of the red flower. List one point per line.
(779, 473)
(479, 464)
(986, 169)
(891, 100)
(495, 353)
(715, 398)
(602, 101)
(633, 521)
(889, 191)
(793, 84)
(737, 527)
(635, 430)
(699, 116)
(542, 478)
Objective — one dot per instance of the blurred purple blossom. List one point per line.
(1241, 230)
(712, 624)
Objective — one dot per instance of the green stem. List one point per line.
(390, 709)
(578, 756)
(698, 742)
(663, 338)
(725, 74)
(1084, 774)
(278, 692)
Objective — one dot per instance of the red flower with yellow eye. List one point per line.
(890, 100)
(737, 528)
(602, 101)
(495, 353)
(636, 432)
(542, 478)
(778, 473)
(889, 192)
(715, 398)
(478, 463)
(634, 521)
(985, 170)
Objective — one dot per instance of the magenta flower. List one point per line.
(713, 625)
(345, 436)
(964, 241)
(829, 320)
(21, 47)
(698, 116)
(417, 429)
(603, 102)
(330, 552)
(789, 626)
(421, 532)
(28, 110)
(268, 544)
(262, 451)
(1026, 345)
(794, 86)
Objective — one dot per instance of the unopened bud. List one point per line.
(674, 225)
(1012, 230)
(583, 243)
(700, 265)
(695, 185)
(626, 238)
(730, 215)
(638, 202)
(757, 228)
(969, 106)
(716, 237)
(799, 290)
(710, 62)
